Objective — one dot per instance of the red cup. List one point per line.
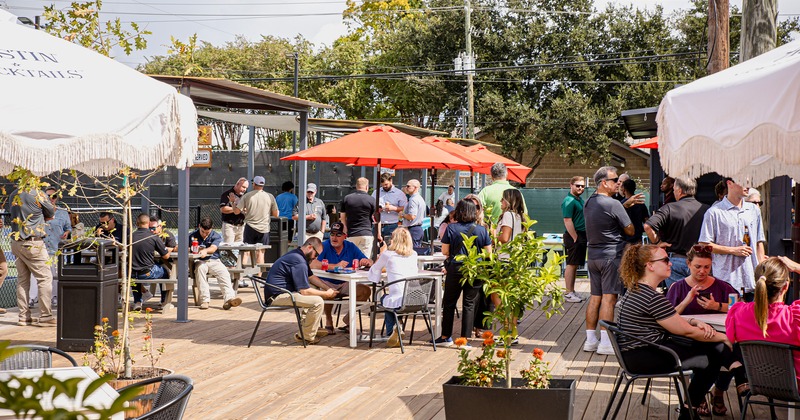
(355, 264)
(325, 265)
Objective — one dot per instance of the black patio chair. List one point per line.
(34, 357)
(266, 305)
(416, 294)
(169, 402)
(678, 376)
(770, 372)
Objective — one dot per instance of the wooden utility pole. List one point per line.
(718, 35)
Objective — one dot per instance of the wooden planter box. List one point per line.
(470, 402)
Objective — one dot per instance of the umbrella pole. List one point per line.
(377, 206)
(471, 181)
(433, 205)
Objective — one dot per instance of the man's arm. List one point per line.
(343, 219)
(760, 253)
(571, 228)
(629, 230)
(652, 235)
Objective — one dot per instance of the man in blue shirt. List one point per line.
(292, 272)
(287, 201)
(208, 264)
(341, 253)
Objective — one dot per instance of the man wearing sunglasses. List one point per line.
(143, 266)
(575, 235)
(676, 227)
(606, 221)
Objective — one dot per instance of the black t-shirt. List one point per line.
(638, 315)
(230, 218)
(145, 244)
(452, 237)
(679, 223)
(638, 214)
(116, 232)
(358, 208)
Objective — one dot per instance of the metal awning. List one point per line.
(641, 123)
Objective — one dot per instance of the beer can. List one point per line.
(325, 265)
(355, 263)
(731, 299)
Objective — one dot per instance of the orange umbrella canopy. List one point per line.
(456, 150)
(651, 143)
(381, 145)
(516, 172)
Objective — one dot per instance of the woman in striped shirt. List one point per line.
(646, 314)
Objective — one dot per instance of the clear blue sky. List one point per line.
(219, 21)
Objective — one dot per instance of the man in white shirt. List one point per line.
(392, 201)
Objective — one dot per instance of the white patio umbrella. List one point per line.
(65, 106)
(743, 122)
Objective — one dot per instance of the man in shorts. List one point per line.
(575, 235)
(341, 253)
(606, 221)
(259, 207)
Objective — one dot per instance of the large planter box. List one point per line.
(471, 402)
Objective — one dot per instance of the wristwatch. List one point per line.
(720, 307)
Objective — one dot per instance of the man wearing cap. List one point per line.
(392, 201)
(314, 211)
(341, 253)
(356, 215)
(232, 224)
(258, 207)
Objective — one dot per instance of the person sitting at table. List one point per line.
(768, 318)
(170, 243)
(400, 261)
(208, 263)
(466, 216)
(340, 253)
(700, 293)
(292, 272)
(646, 314)
(143, 265)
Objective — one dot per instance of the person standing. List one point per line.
(356, 215)
(232, 223)
(676, 227)
(314, 213)
(58, 229)
(392, 202)
(637, 212)
(287, 201)
(666, 188)
(258, 207)
(492, 194)
(574, 236)
(735, 231)
(606, 222)
(30, 210)
(414, 214)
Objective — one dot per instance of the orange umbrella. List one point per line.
(651, 143)
(516, 172)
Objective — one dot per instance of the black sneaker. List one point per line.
(445, 342)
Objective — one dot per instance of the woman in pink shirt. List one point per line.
(768, 318)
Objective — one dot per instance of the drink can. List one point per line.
(355, 263)
(325, 265)
(731, 299)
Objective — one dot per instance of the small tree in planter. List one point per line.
(518, 278)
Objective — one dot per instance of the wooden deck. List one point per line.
(278, 378)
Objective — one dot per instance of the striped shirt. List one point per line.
(639, 314)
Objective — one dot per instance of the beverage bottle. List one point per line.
(746, 236)
(355, 263)
(195, 246)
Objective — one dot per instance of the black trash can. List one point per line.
(88, 291)
(278, 239)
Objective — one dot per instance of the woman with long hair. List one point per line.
(767, 318)
(510, 224)
(466, 222)
(646, 314)
(477, 201)
(439, 214)
(400, 261)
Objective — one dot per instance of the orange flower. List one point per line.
(461, 341)
(147, 337)
(115, 333)
(148, 310)
(104, 320)
(501, 354)
(488, 342)
(538, 353)
(484, 363)
(487, 335)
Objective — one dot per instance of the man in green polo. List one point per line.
(491, 195)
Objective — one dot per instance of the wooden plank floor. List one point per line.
(277, 378)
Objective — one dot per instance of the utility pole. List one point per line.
(469, 68)
(718, 35)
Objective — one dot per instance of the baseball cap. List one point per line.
(337, 227)
(259, 180)
(311, 187)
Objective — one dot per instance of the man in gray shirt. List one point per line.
(29, 212)
(414, 214)
(606, 221)
(314, 211)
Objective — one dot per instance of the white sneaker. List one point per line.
(242, 283)
(54, 302)
(606, 349)
(147, 295)
(590, 346)
(572, 297)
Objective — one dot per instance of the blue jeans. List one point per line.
(390, 319)
(387, 230)
(680, 270)
(156, 272)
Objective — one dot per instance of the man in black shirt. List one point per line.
(232, 223)
(144, 246)
(108, 227)
(676, 227)
(358, 209)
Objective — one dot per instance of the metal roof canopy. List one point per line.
(222, 93)
(641, 123)
(291, 123)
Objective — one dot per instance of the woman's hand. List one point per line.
(708, 303)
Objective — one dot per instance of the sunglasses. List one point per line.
(758, 203)
(665, 260)
(579, 186)
(702, 249)
(612, 179)
(152, 229)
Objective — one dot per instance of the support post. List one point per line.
(251, 154)
(303, 180)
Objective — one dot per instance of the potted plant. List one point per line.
(484, 386)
